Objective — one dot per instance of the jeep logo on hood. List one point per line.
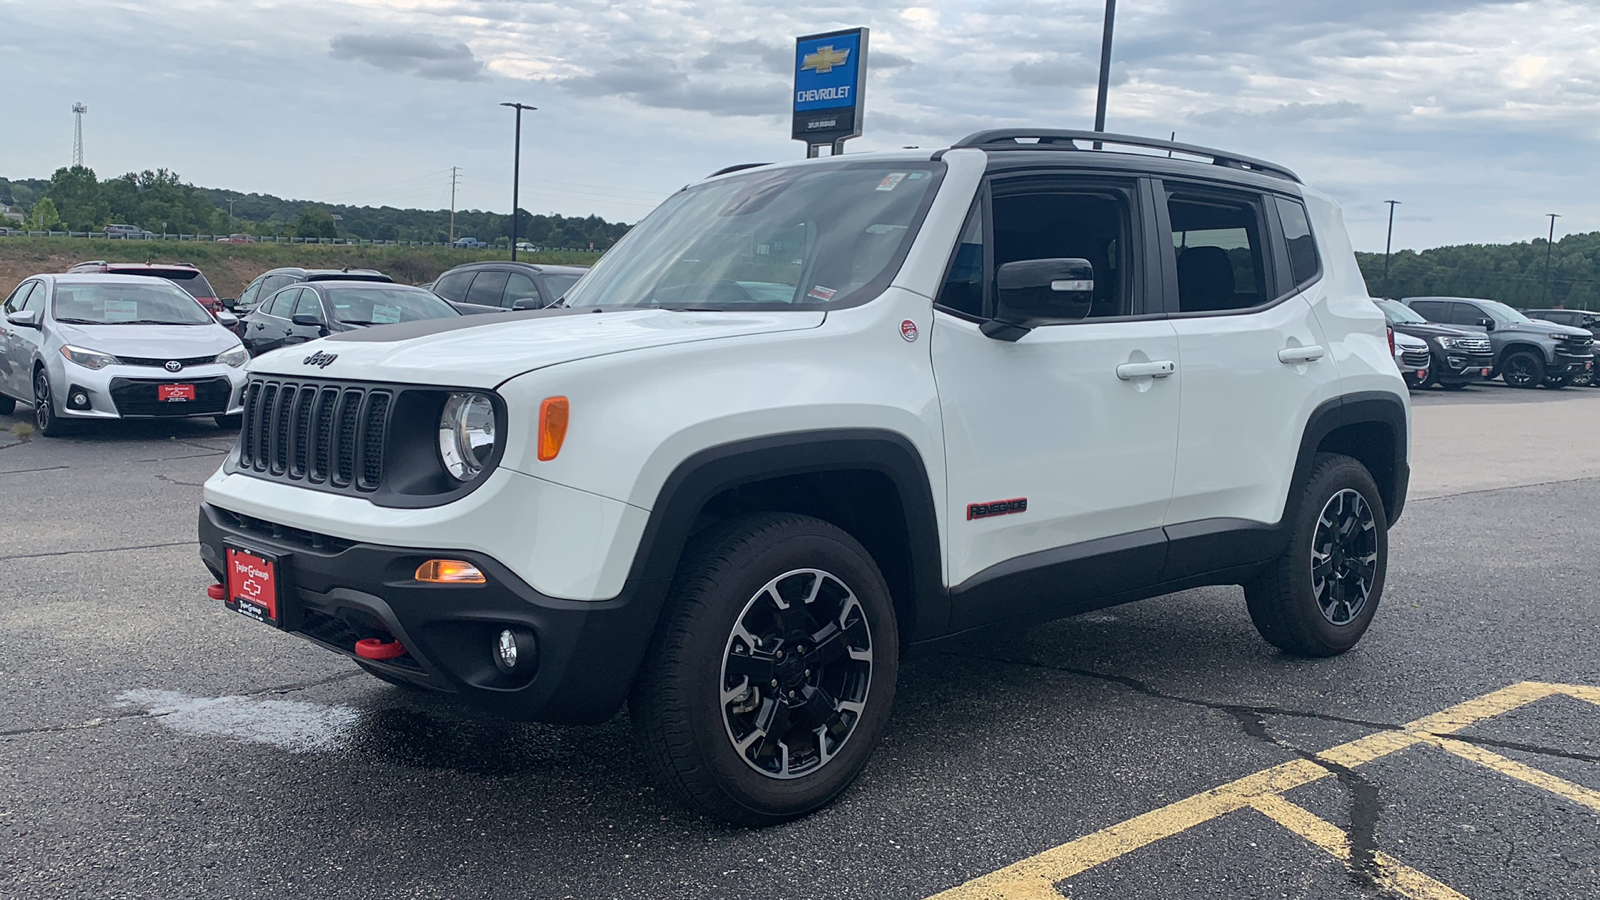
(320, 360)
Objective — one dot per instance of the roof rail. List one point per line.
(740, 167)
(1060, 139)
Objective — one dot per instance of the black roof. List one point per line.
(536, 268)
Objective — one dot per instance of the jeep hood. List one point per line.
(483, 351)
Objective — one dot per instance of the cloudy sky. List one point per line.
(1480, 116)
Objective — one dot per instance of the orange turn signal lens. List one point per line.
(553, 414)
(449, 571)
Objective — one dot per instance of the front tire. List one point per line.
(771, 676)
(7, 405)
(44, 407)
(1318, 598)
(1522, 370)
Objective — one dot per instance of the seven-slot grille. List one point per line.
(1415, 359)
(315, 431)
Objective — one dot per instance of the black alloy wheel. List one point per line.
(795, 673)
(1584, 378)
(1344, 557)
(1522, 370)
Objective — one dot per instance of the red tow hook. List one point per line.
(217, 592)
(372, 648)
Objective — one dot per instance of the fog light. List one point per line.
(449, 571)
(77, 398)
(515, 652)
(505, 651)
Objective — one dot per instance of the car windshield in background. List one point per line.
(385, 306)
(193, 283)
(127, 304)
(792, 238)
(1400, 314)
(560, 284)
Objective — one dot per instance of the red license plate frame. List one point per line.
(175, 393)
(255, 584)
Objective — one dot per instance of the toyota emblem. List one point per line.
(173, 365)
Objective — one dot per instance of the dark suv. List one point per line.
(274, 280)
(487, 286)
(1459, 356)
(1587, 319)
(1526, 353)
(182, 274)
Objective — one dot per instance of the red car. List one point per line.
(182, 274)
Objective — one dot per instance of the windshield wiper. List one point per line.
(150, 322)
(70, 321)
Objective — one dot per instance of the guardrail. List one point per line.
(255, 239)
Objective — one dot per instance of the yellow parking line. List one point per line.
(1391, 873)
(1510, 768)
(1035, 878)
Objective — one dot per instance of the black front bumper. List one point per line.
(1565, 364)
(335, 592)
(1456, 367)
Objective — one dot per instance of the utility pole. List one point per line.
(1549, 245)
(230, 208)
(516, 173)
(1388, 243)
(78, 109)
(1105, 70)
(452, 204)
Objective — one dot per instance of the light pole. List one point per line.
(516, 173)
(1388, 243)
(1105, 70)
(1549, 245)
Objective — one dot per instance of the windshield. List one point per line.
(1398, 313)
(807, 237)
(560, 284)
(156, 303)
(1501, 312)
(385, 306)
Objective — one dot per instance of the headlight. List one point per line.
(89, 359)
(1560, 337)
(1447, 343)
(466, 435)
(236, 357)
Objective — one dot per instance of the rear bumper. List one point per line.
(335, 592)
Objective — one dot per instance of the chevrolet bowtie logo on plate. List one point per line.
(824, 60)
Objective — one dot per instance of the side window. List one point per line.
(281, 303)
(454, 285)
(963, 284)
(35, 300)
(1093, 225)
(488, 288)
(1432, 310)
(273, 283)
(1466, 314)
(309, 304)
(248, 296)
(20, 296)
(1303, 265)
(1217, 236)
(519, 286)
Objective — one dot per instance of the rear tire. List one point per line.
(1522, 369)
(771, 675)
(1318, 598)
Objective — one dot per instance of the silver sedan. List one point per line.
(116, 347)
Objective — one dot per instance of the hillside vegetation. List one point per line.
(1511, 273)
(230, 267)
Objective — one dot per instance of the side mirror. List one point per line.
(1034, 292)
(26, 318)
(227, 319)
(230, 303)
(528, 303)
(1486, 324)
(306, 319)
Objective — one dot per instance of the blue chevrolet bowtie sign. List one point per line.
(829, 74)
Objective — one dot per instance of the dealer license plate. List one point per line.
(175, 393)
(254, 581)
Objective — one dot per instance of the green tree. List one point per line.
(44, 216)
(78, 198)
(315, 222)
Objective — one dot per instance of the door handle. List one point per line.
(1294, 355)
(1161, 368)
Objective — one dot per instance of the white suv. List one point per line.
(810, 413)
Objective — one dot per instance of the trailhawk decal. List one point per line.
(996, 508)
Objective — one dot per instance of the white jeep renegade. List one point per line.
(808, 414)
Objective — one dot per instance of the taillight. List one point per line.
(1390, 329)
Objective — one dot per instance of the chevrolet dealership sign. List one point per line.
(830, 71)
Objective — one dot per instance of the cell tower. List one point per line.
(78, 109)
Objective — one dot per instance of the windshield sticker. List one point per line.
(818, 292)
(891, 181)
(122, 310)
(385, 315)
(917, 176)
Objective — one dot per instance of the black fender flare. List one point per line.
(707, 473)
(1365, 407)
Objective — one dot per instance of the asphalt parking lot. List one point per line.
(153, 744)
